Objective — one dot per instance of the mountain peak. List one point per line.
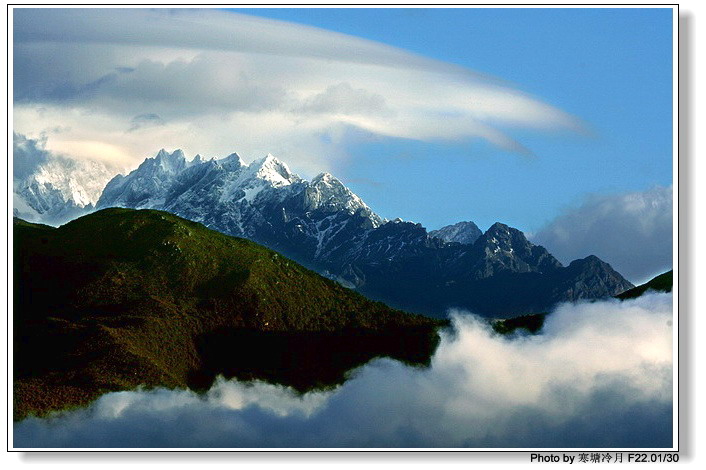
(591, 275)
(503, 235)
(171, 162)
(178, 154)
(504, 248)
(326, 192)
(269, 159)
(325, 178)
(500, 227)
(590, 260)
(271, 169)
(232, 162)
(465, 233)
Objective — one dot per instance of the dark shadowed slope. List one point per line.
(121, 298)
(661, 283)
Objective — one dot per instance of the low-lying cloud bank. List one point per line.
(631, 231)
(600, 375)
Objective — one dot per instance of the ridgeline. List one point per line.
(661, 283)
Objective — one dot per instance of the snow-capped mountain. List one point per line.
(263, 201)
(52, 189)
(462, 232)
(323, 225)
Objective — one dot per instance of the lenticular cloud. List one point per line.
(203, 79)
(600, 375)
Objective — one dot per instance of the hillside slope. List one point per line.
(121, 298)
(661, 283)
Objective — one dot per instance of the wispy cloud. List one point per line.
(212, 30)
(599, 376)
(223, 81)
(146, 120)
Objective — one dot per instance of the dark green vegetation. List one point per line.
(661, 283)
(122, 298)
(532, 323)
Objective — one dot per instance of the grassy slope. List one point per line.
(122, 298)
(661, 283)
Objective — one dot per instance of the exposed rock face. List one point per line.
(465, 233)
(504, 248)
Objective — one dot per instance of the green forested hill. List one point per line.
(121, 298)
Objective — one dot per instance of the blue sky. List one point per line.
(612, 68)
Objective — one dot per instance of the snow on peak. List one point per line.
(273, 170)
(465, 233)
(325, 178)
(328, 193)
(59, 189)
(268, 160)
(239, 183)
(232, 162)
(171, 162)
(245, 182)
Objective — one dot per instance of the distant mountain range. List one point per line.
(326, 227)
(121, 298)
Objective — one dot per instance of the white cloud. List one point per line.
(342, 98)
(28, 154)
(631, 231)
(222, 82)
(80, 181)
(599, 376)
